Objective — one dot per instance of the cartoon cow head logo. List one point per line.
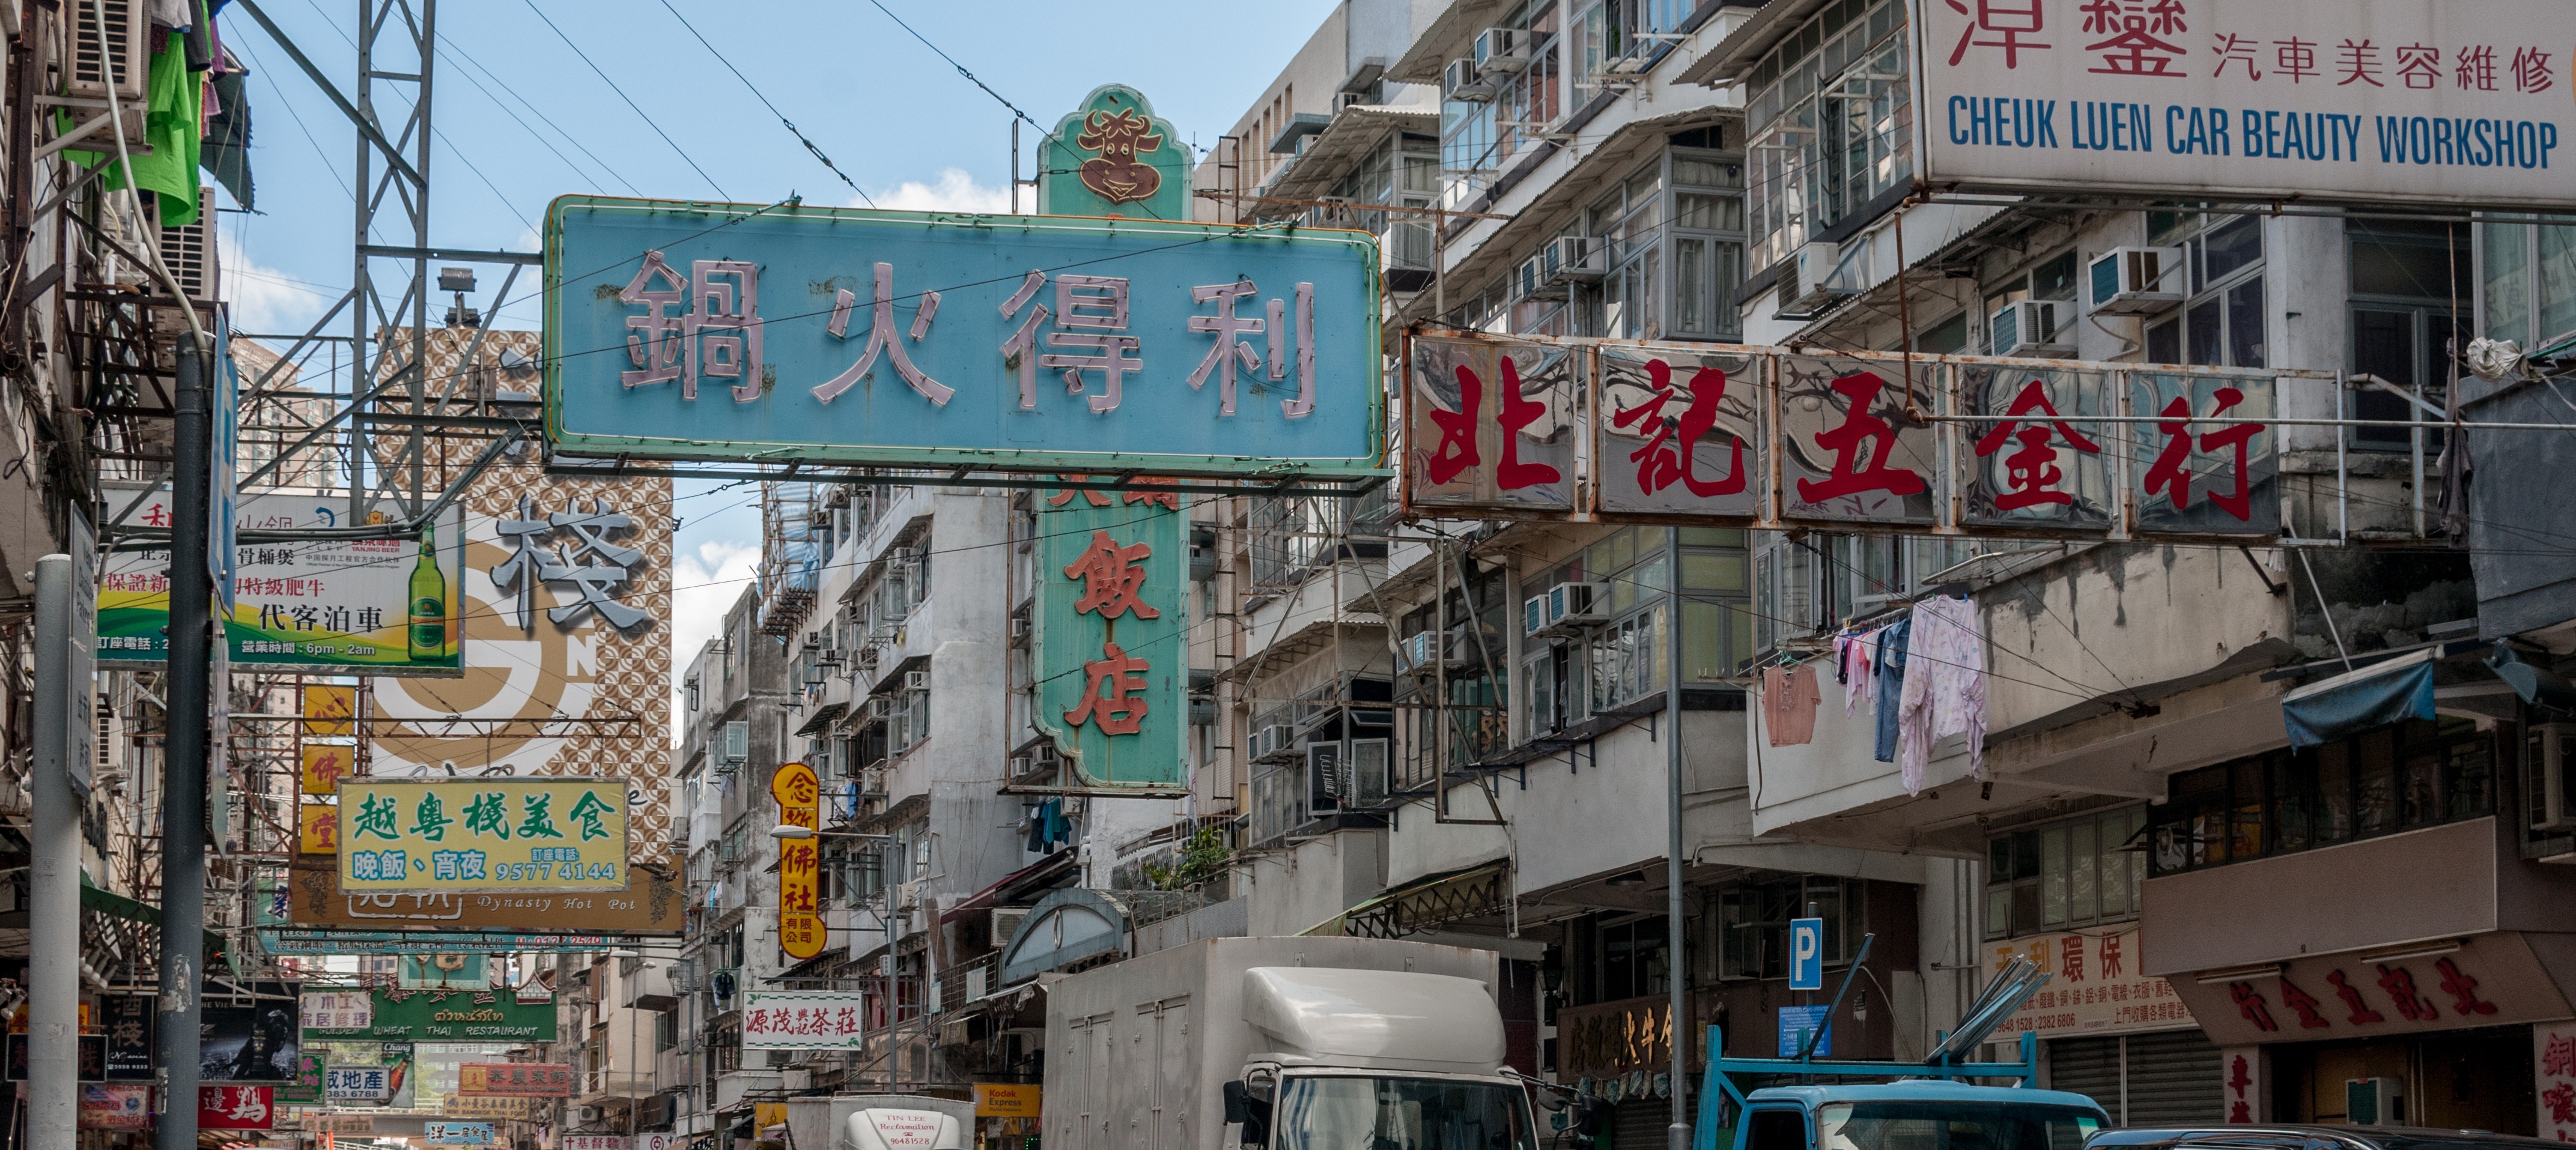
(1115, 174)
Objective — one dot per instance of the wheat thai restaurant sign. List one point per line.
(793, 332)
(2449, 101)
(447, 1016)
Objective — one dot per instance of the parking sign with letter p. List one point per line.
(1806, 954)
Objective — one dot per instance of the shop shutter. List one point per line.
(2087, 1066)
(1638, 1123)
(2174, 1079)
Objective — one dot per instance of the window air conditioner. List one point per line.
(129, 45)
(830, 657)
(1019, 629)
(1577, 258)
(1531, 280)
(1461, 81)
(1502, 50)
(190, 249)
(2549, 760)
(1812, 280)
(881, 707)
(2135, 281)
(586, 1113)
(1431, 649)
(2374, 1101)
(2027, 329)
(1276, 741)
(1534, 616)
(1577, 604)
(916, 680)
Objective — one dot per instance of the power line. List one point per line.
(783, 121)
(630, 101)
(961, 68)
(522, 121)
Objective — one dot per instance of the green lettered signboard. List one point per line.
(449, 1016)
(1113, 635)
(1111, 157)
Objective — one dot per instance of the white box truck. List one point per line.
(1298, 1043)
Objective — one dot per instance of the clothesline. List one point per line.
(1938, 639)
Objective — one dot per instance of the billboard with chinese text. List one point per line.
(372, 606)
(1740, 436)
(794, 332)
(2447, 101)
(1112, 651)
(800, 923)
(486, 834)
(2095, 985)
(448, 1016)
(567, 600)
(314, 898)
(803, 1020)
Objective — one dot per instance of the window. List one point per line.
(1753, 922)
(2067, 874)
(1630, 958)
(1776, 1128)
(2377, 782)
(1708, 244)
(1630, 221)
(1476, 612)
(2408, 282)
(2222, 323)
(1717, 605)
(2527, 273)
(1829, 125)
(1815, 584)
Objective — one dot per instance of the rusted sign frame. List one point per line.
(1936, 377)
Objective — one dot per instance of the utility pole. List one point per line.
(1677, 1026)
(183, 786)
(53, 919)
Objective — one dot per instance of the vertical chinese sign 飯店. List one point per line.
(1113, 634)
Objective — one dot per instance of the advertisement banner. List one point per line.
(569, 590)
(593, 1142)
(2095, 988)
(358, 1083)
(373, 606)
(491, 1106)
(485, 834)
(338, 1009)
(115, 1107)
(1028, 343)
(1680, 433)
(1112, 635)
(802, 1020)
(2458, 102)
(306, 1089)
(437, 1133)
(234, 1108)
(330, 711)
(449, 1016)
(2553, 1060)
(317, 830)
(1491, 424)
(445, 970)
(524, 1079)
(339, 1123)
(127, 1022)
(91, 1050)
(1007, 1099)
(322, 765)
(800, 928)
(316, 899)
(396, 942)
(254, 1043)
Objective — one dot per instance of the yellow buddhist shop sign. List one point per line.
(800, 927)
(482, 834)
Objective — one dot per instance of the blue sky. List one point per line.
(522, 118)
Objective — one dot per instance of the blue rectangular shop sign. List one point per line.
(1041, 343)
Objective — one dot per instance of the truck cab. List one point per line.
(1357, 1060)
(1916, 1114)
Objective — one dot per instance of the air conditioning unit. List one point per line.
(1006, 923)
(189, 249)
(907, 895)
(587, 1113)
(1019, 630)
(1020, 765)
(2135, 281)
(916, 680)
(1531, 281)
(1812, 280)
(881, 706)
(2028, 329)
(129, 47)
(1572, 606)
(830, 657)
(1502, 50)
(1424, 651)
(2549, 763)
(1461, 81)
(867, 658)
(1577, 258)
(1276, 741)
(2374, 1101)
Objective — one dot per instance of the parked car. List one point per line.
(2292, 1136)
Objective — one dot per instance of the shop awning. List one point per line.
(1426, 904)
(2374, 696)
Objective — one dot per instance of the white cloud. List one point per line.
(266, 299)
(704, 585)
(955, 191)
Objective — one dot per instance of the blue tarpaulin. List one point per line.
(2356, 701)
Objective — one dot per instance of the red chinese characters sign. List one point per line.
(522, 1079)
(234, 1108)
(1743, 436)
(2485, 981)
(803, 1020)
(2553, 1061)
(800, 924)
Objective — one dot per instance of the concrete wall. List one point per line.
(1293, 890)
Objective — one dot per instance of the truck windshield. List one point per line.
(1952, 1126)
(1355, 1113)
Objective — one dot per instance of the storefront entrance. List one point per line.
(2168, 1078)
(2459, 1080)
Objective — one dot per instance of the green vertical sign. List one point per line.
(1112, 157)
(1113, 635)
